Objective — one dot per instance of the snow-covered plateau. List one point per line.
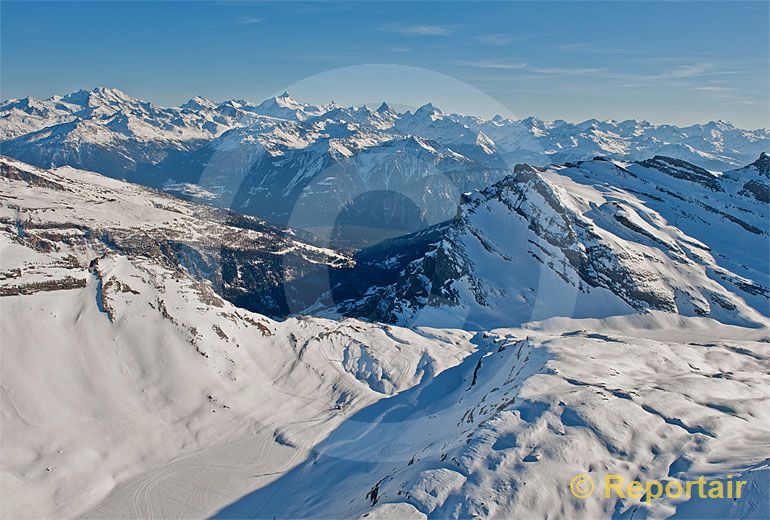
(165, 358)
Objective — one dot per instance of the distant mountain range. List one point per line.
(354, 171)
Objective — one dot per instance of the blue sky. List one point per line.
(672, 62)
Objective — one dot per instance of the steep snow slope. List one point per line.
(593, 239)
(105, 384)
(130, 388)
(502, 434)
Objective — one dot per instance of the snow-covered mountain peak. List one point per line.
(105, 100)
(28, 104)
(754, 178)
(720, 124)
(199, 103)
(286, 107)
(486, 143)
(79, 97)
(286, 101)
(112, 94)
(290, 145)
(601, 231)
(428, 110)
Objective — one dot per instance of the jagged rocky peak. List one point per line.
(754, 178)
(524, 167)
(762, 164)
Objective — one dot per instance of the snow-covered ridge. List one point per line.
(142, 374)
(135, 345)
(596, 238)
(502, 434)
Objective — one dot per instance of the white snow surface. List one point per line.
(121, 375)
(502, 434)
(131, 390)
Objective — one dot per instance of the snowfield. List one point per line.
(502, 434)
(142, 391)
(133, 386)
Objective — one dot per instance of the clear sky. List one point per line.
(667, 62)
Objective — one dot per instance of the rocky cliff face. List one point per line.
(247, 261)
